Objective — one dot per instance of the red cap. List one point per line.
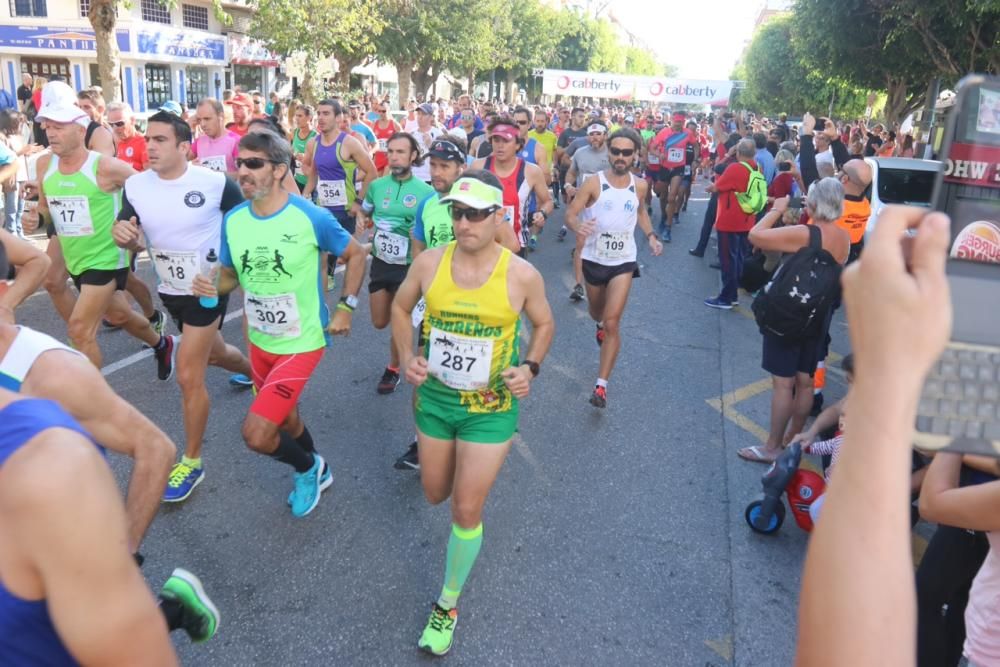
(679, 116)
(508, 132)
(240, 99)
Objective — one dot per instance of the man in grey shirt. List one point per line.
(586, 161)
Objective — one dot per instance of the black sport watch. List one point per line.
(533, 367)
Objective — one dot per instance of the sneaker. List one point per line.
(561, 236)
(410, 460)
(325, 480)
(577, 293)
(817, 406)
(200, 615)
(716, 302)
(677, 219)
(599, 399)
(684, 207)
(533, 243)
(309, 486)
(665, 237)
(183, 478)
(661, 228)
(389, 381)
(440, 631)
(240, 380)
(694, 252)
(165, 359)
(159, 322)
(600, 335)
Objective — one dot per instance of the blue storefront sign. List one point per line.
(49, 38)
(181, 44)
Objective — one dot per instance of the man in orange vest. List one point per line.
(856, 176)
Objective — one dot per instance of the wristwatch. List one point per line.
(533, 367)
(350, 301)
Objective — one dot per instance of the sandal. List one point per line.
(754, 455)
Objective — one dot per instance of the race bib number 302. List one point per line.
(276, 315)
(71, 215)
(460, 362)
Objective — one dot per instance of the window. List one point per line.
(197, 85)
(84, 8)
(195, 17)
(153, 10)
(905, 186)
(28, 8)
(46, 67)
(248, 77)
(157, 85)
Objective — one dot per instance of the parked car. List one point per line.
(900, 180)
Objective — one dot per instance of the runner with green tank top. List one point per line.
(271, 246)
(303, 126)
(80, 195)
(391, 207)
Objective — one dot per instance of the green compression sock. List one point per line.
(463, 548)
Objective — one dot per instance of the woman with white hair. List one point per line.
(792, 364)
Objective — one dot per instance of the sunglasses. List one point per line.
(524, 122)
(624, 152)
(471, 214)
(117, 123)
(253, 163)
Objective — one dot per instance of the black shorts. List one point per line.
(346, 221)
(785, 359)
(600, 275)
(101, 277)
(186, 309)
(667, 175)
(385, 276)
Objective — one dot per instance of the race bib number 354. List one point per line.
(460, 362)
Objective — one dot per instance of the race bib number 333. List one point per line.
(460, 362)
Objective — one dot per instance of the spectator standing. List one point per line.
(24, 93)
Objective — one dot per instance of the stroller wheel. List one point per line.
(753, 518)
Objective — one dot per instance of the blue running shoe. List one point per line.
(561, 236)
(308, 487)
(183, 478)
(240, 380)
(325, 480)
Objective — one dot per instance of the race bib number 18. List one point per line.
(175, 268)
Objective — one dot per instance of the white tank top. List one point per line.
(615, 212)
(28, 345)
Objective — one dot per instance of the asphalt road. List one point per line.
(611, 537)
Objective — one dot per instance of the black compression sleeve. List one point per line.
(232, 196)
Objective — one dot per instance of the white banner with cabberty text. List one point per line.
(630, 87)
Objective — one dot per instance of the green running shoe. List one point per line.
(200, 616)
(440, 631)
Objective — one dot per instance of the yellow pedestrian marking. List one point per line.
(724, 647)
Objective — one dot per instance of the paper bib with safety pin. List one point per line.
(71, 215)
(614, 245)
(331, 193)
(214, 162)
(390, 247)
(460, 362)
(175, 268)
(274, 315)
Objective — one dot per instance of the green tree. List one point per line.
(866, 45)
(319, 29)
(640, 61)
(532, 41)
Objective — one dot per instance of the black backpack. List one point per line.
(804, 290)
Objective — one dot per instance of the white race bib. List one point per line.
(214, 162)
(460, 362)
(71, 215)
(418, 312)
(276, 315)
(176, 268)
(687, 170)
(383, 145)
(675, 155)
(391, 248)
(331, 193)
(652, 159)
(614, 245)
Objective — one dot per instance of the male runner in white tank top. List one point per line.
(614, 201)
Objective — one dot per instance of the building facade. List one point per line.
(182, 54)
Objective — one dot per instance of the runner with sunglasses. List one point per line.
(271, 246)
(471, 377)
(433, 228)
(608, 253)
(391, 206)
(519, 181)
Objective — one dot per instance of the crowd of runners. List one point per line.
(437, 216)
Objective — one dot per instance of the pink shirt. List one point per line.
(205, 148)
(982, 614)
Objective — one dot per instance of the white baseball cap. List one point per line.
(59, 105)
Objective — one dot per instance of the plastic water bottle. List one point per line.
(210, 267)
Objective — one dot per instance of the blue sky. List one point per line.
(709, 35)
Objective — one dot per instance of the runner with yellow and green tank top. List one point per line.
(472, 375)
(433, 228)
(391, 208)
(80, 195)
(301, 135)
